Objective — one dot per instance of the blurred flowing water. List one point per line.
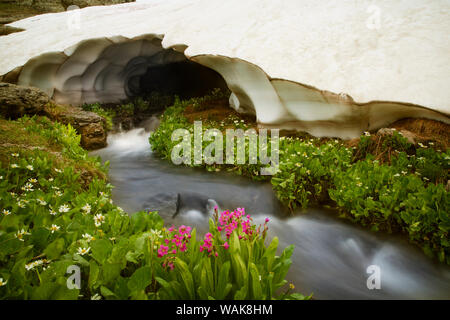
(330, 257)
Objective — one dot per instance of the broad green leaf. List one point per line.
(140, 279)
(101, 249)
(54, 249)
(186, 276)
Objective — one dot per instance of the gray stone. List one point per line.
(88, 124)
(17, 101)
(410, 136)
(166, 204)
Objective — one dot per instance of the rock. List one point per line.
(150, 124)
(87, 3)
(167, 204)
(5, 30)
(386, 132)
(411, 137)
(17, 101)
(88, 124)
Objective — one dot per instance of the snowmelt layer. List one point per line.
(331, 68)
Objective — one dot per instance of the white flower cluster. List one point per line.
(99, 219)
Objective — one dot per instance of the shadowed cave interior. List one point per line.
(185, 79)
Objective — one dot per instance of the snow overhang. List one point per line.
(316, 67)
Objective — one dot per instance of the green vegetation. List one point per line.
(385, 184)
(56, 212)
(174, 118)
(138, 108)
(108, 114)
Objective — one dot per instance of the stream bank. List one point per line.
(330, 256)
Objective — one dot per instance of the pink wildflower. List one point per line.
(162, 251)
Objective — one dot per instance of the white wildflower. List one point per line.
(54, 228)
(27, 187)
(3, 282)
(34, 264)
(21, 233)
(83, 251)
(64, 208)
(421, 145)
(96, 297)
(87, 208)
(155, 234)
(22, 204)
(88, 237)
(99, 219)
(6, 212)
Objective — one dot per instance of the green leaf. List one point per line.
(39, 238)
(9, 247)
(110, 272)
(94, 272)
(223, 285)
(108, 294)
(119, 251)
(54, 249)
(256, 283)
(186, 276)
(168, 287)
(140, 279)
(101, 250)
(121, 289)
(269, 254)
(44, 291)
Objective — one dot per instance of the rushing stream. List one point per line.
(330, 257)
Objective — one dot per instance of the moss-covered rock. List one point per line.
(16, 101)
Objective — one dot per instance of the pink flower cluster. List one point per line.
(209, 245)
(176, 241)
(228, 222)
